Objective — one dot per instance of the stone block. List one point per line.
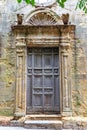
(43, 124)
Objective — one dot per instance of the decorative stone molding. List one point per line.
(42, 16)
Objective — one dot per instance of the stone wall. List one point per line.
(8, 11)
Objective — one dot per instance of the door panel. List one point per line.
(48, 99)
(38, 81)
(37, 60)
(55, 61)
(56, 90)
(48, 81)
(37, 100)
(43, 80)
(48, 60)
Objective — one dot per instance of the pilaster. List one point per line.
(65, 79)
(20, 109)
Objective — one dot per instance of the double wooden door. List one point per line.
(43, 94)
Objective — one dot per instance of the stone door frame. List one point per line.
(64, 40)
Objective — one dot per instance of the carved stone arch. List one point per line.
(42, 16)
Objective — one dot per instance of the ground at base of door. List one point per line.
(66, 123)
(21, 128)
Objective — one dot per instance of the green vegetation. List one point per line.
(81, 4)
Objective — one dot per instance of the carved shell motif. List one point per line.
(42, 18)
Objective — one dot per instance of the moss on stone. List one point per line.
(6, 112)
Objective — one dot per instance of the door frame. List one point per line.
(62, 36)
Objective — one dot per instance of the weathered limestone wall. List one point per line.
(8, 11)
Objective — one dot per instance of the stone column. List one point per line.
(65, 79)
(20, 108)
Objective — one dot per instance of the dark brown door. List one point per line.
(43, 80)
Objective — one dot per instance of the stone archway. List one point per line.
(51, 35)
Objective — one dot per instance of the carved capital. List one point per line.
(20, 49)
(20, 41)
(65, 46)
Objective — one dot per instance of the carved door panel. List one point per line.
(43, 80)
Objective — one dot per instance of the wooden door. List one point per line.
(43, 94)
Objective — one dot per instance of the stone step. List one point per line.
(43, 124)
(43, 117)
